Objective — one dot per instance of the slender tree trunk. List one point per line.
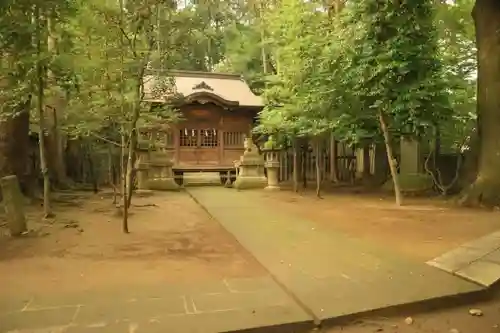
(334, 172)
(41, 73)
(295, 174)
(54, 137)
(318, 163)
(129, 182)
(391, 159)
(122, 106)
(485, 190)
(303, 164)
(366, 162)
(123, 180)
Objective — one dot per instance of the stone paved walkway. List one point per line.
(216, 306)
(477, 261)
(315, 274)
(329, 273)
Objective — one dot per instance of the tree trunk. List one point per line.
(303, 163)
(132, 148)
(391, 159)
(41, 73)
(55, 148)
(15, 146)
(334, 172)
(295, 174)
(318, 163)
(366, 161)
(56, 104)
(485, 190)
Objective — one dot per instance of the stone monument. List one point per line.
(13, 203)
(250, 168)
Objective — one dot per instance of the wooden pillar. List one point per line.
(221, 139)
(177, 143)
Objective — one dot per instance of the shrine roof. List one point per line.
(229, 89)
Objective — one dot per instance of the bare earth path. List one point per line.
(424, 229)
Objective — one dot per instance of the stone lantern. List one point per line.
(154, 164)
(272, 165)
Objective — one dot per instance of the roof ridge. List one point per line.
(200, 74)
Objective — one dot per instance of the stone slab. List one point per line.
(136, 310)
(201, 178)
(329, 273)
(239, 301)
(458, 258)
(10, 304)
(206, 306)
(482, 272)
(493, 257)
(37, 319)
(214, 322)
(486, 243)
(244, 285)
(477, 260)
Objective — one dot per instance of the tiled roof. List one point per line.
(230, 88)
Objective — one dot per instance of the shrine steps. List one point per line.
(201, 178)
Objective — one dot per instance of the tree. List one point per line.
(395, 70)
(486, 188)
(114, 47)
(16, 49)
(294, 106)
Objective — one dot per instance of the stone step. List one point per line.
(201, 179)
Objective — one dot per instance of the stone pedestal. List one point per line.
(250, 169)
(272, 175)
(13, 203)
(159, 173)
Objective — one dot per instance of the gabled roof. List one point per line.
(229, 89)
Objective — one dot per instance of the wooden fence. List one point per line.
(342, 155)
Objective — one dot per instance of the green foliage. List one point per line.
(394, 65)
(413, 60)
(336, 74)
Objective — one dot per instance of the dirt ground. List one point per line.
(423, 228)
(171, 239)
(450, 320)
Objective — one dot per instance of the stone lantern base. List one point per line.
(250, 169)
(250, 182)
(160, 176)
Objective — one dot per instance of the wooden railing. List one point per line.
(345, 161)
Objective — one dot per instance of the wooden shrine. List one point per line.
(218, 111)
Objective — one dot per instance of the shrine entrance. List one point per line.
(216, 112)
(199, 145)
